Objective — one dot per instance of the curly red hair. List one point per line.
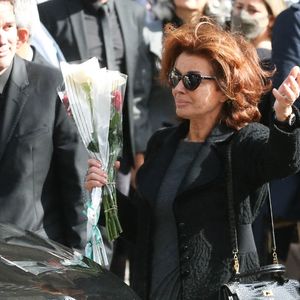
(234, 61)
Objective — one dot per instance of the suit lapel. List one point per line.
(78, 24)
(129, 37)
(15, 101)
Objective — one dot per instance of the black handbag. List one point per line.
(269, 282)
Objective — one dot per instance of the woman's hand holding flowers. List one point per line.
(287, 94)
(96, 177)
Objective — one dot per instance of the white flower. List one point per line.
(85, 72)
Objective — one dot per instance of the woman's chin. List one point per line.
(183, 114)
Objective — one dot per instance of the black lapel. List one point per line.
(207, 165)
(195, 174)
(151, 174)
(15, 101)
(77, 20)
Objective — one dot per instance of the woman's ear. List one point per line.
(23, 36)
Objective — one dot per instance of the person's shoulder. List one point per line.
(254, 127)
(161, 134)
(252, 131)
(289, 14)
(43, 73)
(164, 132)
(158, 138)
(43, 68)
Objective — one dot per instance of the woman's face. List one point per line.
(206, 100)
(251, 17)
(253, 7)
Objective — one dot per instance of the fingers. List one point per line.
(289, 90)
(295, 72)
(89, 185)
(286, 95)
(292, 80)
(282, 106)
(95, 177)
(94, 162)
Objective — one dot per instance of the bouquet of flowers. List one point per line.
(95, 98)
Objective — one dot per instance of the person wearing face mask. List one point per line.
(255, 19)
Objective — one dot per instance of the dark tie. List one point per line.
(107, 37)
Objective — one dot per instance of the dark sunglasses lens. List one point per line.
(174, 79)
(191, 81)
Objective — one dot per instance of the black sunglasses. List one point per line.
(191, 80)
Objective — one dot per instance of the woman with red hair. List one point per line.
(178, 219)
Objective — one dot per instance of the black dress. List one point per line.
(165, 282)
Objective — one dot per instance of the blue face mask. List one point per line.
(250, 26)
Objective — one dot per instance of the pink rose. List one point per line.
(65, 101)
(117, 100)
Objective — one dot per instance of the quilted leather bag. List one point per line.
(270, 282)
(274, 288)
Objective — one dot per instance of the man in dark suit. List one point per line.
(78, 26)
(42, 160)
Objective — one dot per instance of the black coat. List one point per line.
(42, 159)
(200, 210)
(286, 42)
(285, 55)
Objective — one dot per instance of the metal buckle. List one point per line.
(267, 293)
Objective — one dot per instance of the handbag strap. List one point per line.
(232, 218)
(231, 213)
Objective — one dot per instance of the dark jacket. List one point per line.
(285, 55)
(42, 159)
(200, 209)
(286, 42)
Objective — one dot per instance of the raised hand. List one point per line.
(287, 94)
